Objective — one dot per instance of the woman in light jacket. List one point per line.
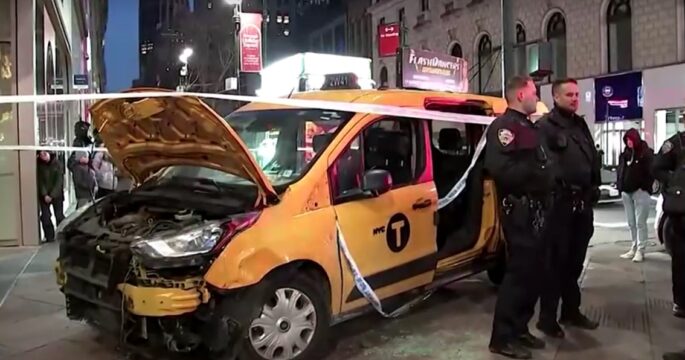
(105, 174)
(635, 182)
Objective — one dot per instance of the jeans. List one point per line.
(637, 205)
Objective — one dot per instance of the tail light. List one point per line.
(234, 226)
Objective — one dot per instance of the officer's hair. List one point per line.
(515, 84)
(559, 82)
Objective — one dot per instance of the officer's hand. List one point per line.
(596, 194)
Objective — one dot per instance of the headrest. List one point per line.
(449, 139)
(320, 141)
(390, 142)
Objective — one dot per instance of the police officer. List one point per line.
(517, 160)
(578, 170)
(669, 168)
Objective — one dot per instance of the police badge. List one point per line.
(505, 136)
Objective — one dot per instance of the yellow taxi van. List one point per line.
(231, 241)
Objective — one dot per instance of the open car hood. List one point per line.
(147, 134)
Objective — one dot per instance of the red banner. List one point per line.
(250, 42)
(388, 39)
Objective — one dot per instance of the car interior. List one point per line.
(459, 222)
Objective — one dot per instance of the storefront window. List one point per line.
(609, 136)
(9, 164)
(668, 123)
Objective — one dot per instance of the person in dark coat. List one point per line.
(79, 164)
(50, 180)
(635, 182)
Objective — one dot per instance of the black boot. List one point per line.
(675, 356)
(531, 342)
(512, 350)
(580, 321)
(678, 311)
(552, 330)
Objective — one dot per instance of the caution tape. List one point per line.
(363, 286)
(361, 107)
(360, 282)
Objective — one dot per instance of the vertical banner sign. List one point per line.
(250, 42)
(388, 39)
(426, 70)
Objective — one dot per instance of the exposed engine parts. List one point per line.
(148, 220)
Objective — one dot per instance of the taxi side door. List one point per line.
(391, 235)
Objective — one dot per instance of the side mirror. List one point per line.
(377, 182)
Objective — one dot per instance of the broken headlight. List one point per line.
(196, 240)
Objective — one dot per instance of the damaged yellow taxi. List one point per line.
(229, 241)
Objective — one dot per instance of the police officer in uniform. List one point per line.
(515, 157)
(669, 168)
(578, 172)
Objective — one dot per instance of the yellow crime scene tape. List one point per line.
(360, 282)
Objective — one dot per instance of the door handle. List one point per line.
(422, 204)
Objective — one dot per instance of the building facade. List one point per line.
(359, 28)
(46, 47)
(162, 39)
(591, 40)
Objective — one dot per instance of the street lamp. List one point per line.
(185, 55)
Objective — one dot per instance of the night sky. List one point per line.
(121, 44)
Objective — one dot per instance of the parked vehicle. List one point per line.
(213, 249)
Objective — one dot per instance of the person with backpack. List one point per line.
(635, 182)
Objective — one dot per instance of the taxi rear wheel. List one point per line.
(293, 320)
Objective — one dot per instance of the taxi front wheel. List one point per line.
(293, 321)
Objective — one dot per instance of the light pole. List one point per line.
(236, 38)
(185, 55)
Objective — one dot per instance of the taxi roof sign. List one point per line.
(341, 81)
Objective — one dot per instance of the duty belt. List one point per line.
(577, 197)
(536, 205)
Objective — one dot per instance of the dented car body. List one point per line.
(232, 247)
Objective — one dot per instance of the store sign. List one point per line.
(428, 70)
(57, 84)
(80, 81)
(619, 97)
(388, 39)
(250, 42)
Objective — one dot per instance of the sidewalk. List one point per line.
(631, 301)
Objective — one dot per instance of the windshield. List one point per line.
(284, 142)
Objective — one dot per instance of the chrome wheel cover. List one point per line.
(286, 326)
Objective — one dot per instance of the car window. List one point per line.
(284, 142)
(390, 144)
(449, 137)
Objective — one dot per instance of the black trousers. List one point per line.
(676, 237)
(103, 192)
(46, 217)
(520, 287)
(570, 228)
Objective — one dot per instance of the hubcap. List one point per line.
(285, 327)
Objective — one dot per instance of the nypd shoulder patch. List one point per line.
(505, 136)
(666, 147)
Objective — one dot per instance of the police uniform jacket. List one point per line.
(578, 165)
(516, 157)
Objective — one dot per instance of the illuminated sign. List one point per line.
(341, 81)
(428, 70)
(388, 39)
